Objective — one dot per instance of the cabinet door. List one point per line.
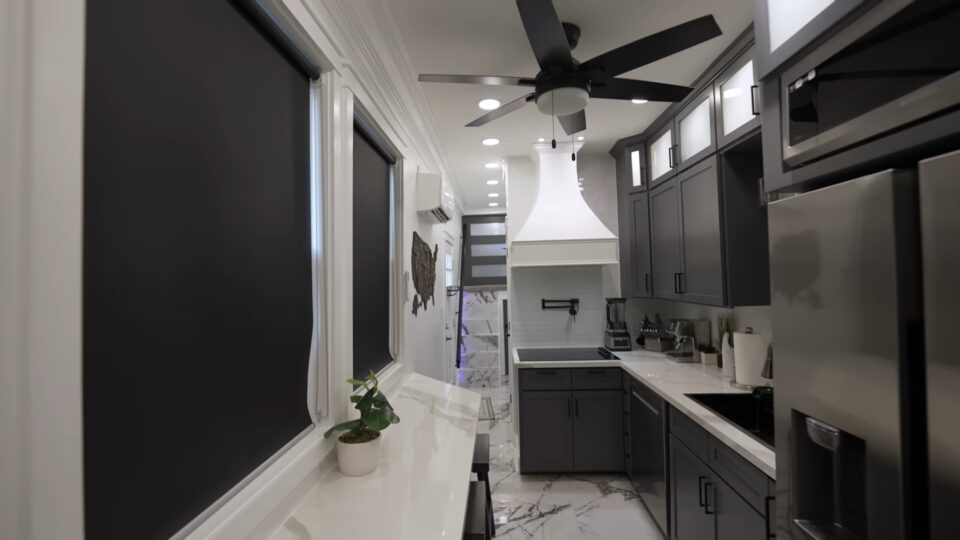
(736, 96)
(546, 431)
(598, 430)
(641, 285)
(784, 27)
(695, 130)
(660, 153)
(702, 255)
(736, 520)
(690, 482)
(665, 240)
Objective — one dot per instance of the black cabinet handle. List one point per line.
(706, 499)
(753, 100)
(700, 490)
(676, 282)
(646, 282)
(681, 288)
(670, 159)
(766, 516)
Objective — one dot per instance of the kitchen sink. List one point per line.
(753, 413)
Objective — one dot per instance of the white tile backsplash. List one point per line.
(534, 327)
(756, 317)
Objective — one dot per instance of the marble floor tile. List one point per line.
(556, 507)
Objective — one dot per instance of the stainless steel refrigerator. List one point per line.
(847, 306)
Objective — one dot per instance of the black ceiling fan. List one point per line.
(564, 86)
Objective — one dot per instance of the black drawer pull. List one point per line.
(646, 282)
(766, 516)
(706, 498)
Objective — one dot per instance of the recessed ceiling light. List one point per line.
(493, 204)
(492, 165)
(493, 195)
(492, 182)
(638, 101)
(541, 139)
(580, 138)
(490, 142)
(489, 104)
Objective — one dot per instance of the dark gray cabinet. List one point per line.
(702, 274)
(691, 483)
(597, 431)
(546, 431)
(665, 240)
(736, 520)
(685, 237)
(638, 277)
(571, 420)
(714, 493)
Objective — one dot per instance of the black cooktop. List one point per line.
(564, 354)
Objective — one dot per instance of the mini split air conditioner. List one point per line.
(434, 197)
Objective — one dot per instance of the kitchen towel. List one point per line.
(751, 350)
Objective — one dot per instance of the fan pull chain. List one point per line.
(553, 127)
(573, 150)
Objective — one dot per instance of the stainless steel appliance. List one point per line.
(894, 66)
(615, 336)
(940, 227)
(688, 333)
(647, 457)
(845, 286)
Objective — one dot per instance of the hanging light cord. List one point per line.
(553, 126)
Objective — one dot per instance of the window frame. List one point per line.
(363, 121)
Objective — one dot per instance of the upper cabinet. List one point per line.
(661, 153)
(695, 131)
(785, 27)
(635, 165)
(737, 98)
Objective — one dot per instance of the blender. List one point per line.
(615, 336)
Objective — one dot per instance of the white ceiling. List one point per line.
(486, 37)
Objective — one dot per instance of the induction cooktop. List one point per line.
(562, 354)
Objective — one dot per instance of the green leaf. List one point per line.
(356, 382)
(351, 425)
(355, 399)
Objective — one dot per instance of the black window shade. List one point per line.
(197, 264)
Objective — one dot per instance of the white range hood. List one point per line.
(561, 229)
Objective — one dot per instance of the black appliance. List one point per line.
(647, 461)
(562, 354)
(897, 65)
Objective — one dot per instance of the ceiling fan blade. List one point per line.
(631, 89)
(503, 110)
(654, 47)
(545, 33)
(573, 123)
(490, 80)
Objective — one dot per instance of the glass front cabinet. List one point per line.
(695, 131)
(661, 153)
(738, 101)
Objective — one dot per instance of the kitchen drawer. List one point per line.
(748, 481)
(597, 379)
(544, 379)
(688, 432)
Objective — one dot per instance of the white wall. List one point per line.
(41, 101)
(529, 325)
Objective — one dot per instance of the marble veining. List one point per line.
(552, 507)
(673, 382)
(420, 488)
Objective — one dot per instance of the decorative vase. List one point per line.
(728, 356)
(708, 358)
(358, 459)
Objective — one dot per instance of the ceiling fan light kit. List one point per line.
(564, 87)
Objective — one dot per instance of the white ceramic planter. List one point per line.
(358, 459)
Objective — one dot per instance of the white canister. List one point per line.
(726, 350)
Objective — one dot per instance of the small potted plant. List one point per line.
(358, 447)
(708, 355)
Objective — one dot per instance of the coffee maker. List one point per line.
(616, 337)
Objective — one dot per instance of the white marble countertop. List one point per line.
(418, 492)
(672, 382)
